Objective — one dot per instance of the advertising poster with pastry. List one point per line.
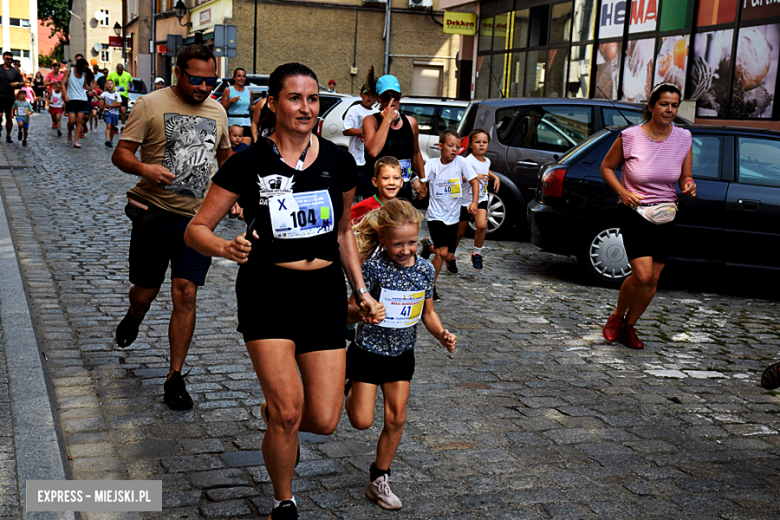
(638, 70)
(608, 70)
(710, 73)
(755, 72)
(671, 62)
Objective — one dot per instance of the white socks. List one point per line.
(477, 251)
(277, 502)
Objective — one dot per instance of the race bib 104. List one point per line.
(406, 169)
(447, 189)
(402, 308)
(301, 215)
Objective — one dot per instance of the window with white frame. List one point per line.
(20, 53)
(105, 18)
(105, 54)
(18, 22)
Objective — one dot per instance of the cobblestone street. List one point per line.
(534, 416)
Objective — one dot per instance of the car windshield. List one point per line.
(573, 155)
(138, 86)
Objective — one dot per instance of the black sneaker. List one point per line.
(108, 143)
(59, 133)
(287, 510)
(452, 267)
(24, 143)
(8, 139)
(19, 135)
(176, 396)
(476, 261)
(436, 297)
(127, 330)
(425, 245)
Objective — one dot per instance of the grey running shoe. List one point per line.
(379, 490)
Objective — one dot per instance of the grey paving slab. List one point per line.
(534, 416)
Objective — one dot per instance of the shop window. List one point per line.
(578, 84)
(517, 80)
(608, 70)
(759, 162)
(714, 13)
(643, 17)
(501, 33)
(482, 83)
(540, 19)
(584, 20)
(535, 71)
(498, 76)
(486, 34)
(706, 156)
(708, 81)
(676, 15)
(520, 30)
(638, 70)
(561, 22)
(671, 63)
(557, 63)
(755, 73)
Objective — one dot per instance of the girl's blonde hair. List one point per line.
(395, 213)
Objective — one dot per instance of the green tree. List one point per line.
(56, 12)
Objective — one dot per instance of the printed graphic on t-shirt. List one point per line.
(273, 185)
(189, 153)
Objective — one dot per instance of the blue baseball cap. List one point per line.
(386, 83)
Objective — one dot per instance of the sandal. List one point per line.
(770, 379)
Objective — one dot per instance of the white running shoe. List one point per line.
(379, 490)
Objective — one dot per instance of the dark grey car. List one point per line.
(526, 133)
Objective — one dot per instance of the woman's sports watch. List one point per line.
(360, 291)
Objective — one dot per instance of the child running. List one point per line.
(22, 110)
(444, 176)
(94, 109)
(236, 133)
(55, 107)
(383, 354)
(475, 156)
(388, 180)
(112, 100)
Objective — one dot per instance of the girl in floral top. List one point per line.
(383, 354)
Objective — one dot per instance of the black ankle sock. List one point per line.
(374, 473)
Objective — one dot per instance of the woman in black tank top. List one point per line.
(390, 133)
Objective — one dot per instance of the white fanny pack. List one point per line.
(662, 213)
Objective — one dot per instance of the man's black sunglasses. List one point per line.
(197, 80)
(386, 96)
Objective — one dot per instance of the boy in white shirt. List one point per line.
(444, 176)
(353, 128)
(112, 102)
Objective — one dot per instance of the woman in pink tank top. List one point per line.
(655, 155)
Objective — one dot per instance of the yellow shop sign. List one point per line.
(460, 23)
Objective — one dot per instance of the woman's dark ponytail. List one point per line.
(275, 86)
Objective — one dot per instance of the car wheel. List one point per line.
(603, 257)
(497, 217)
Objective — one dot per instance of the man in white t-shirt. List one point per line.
(353, 127)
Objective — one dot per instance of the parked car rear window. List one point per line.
(449, 119)
(706, 156)
(613, 117)
(424, 114)
(759, 161)
(138, 86)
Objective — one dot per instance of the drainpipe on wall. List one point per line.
(475, 58)
(388, 13)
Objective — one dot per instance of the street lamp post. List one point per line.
(118, 30)
(180, 10)
(84, 22)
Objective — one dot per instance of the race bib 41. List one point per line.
(402, 308)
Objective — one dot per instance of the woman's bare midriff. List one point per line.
(306, 265)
